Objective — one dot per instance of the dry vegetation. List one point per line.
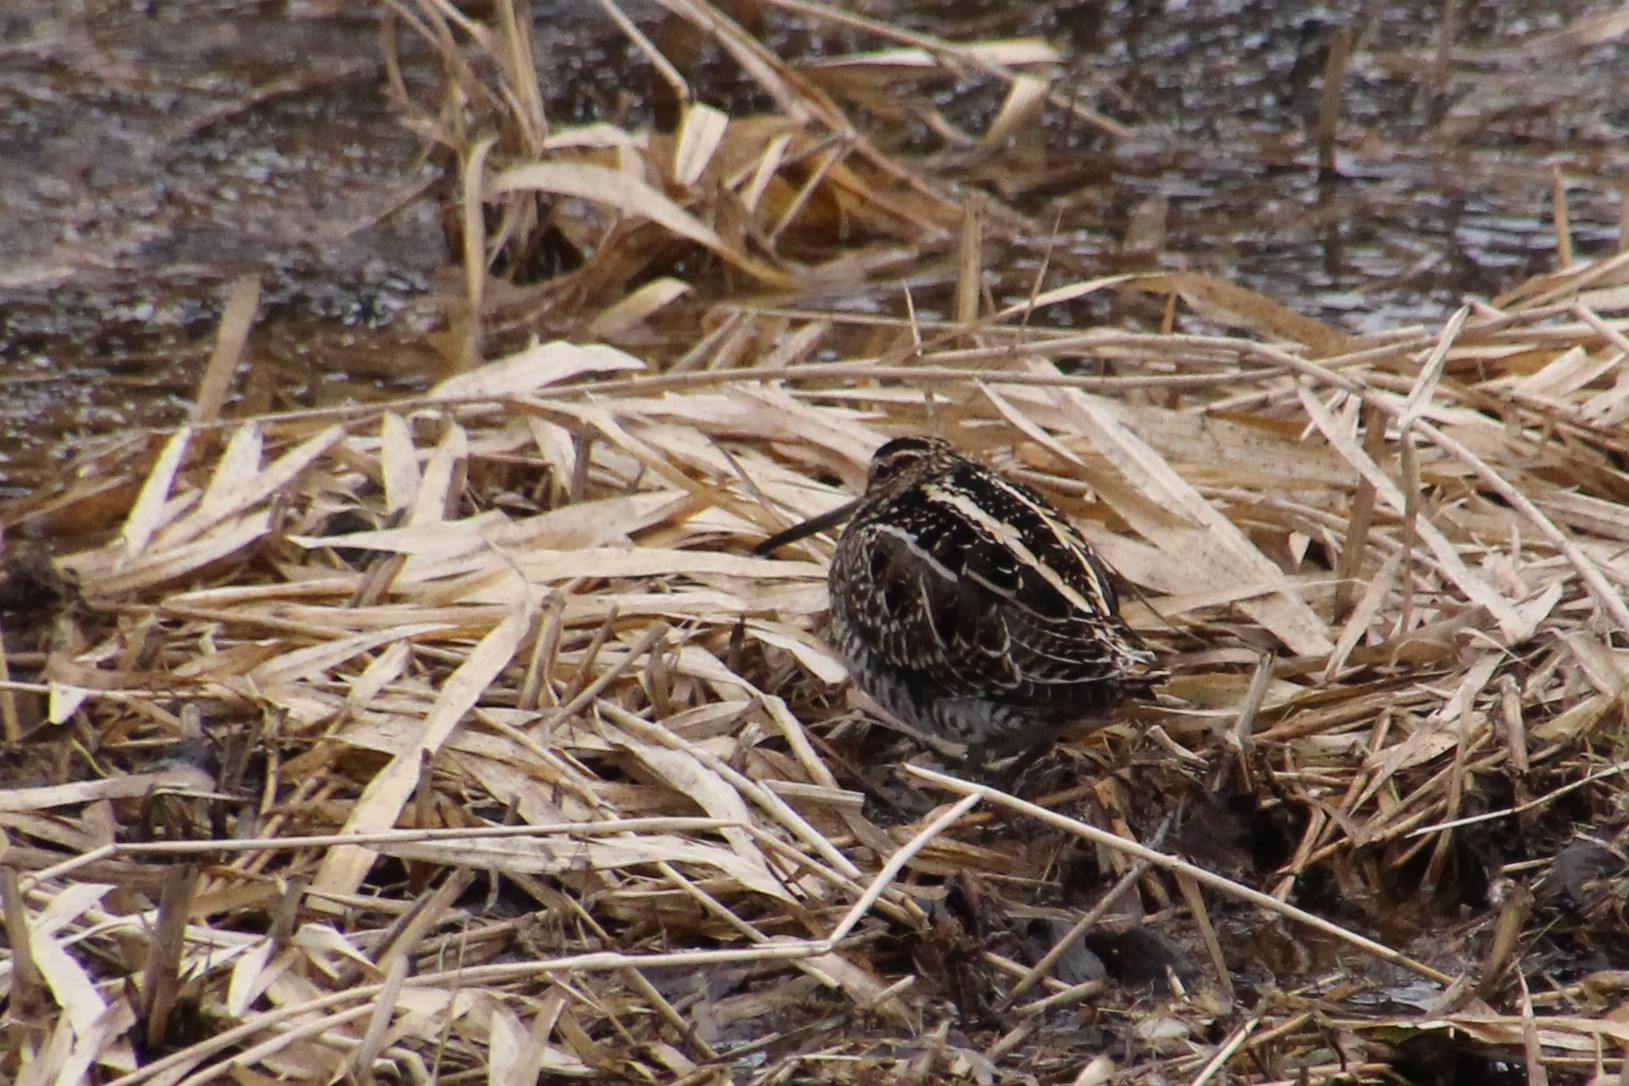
(462, 738)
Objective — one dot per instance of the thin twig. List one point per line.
(1171, 863)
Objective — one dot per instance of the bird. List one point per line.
(970, 609)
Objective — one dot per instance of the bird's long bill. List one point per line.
(807, 528)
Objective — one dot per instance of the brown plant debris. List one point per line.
(463, 736)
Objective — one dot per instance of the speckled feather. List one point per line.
(972, 610)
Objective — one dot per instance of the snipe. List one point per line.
(971, 609)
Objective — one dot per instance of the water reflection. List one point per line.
(153, 153)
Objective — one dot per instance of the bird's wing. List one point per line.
(925, 617)
(999, 599)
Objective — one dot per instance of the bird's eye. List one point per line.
(900, 456)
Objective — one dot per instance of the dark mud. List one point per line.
(154, 153)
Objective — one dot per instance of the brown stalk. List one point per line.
(161, 980)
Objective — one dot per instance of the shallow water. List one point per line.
(153, 153)
(1438, 191)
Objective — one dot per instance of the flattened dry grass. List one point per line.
(462, 735)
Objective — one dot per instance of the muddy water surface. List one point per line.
(152, 153)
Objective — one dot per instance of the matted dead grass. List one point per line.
(462, 736)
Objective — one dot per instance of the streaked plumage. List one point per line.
(969, 608)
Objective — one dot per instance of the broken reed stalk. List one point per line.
(10, 722)
(1623, 218)
(970, 263)
(161, 980)
(1327, 130)
(25, 975)
(1195, 901)
(1563, 227)
(1442, 66)
(231, 336)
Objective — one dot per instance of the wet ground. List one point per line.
(154, 152)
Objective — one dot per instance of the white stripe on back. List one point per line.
(1009, 537)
